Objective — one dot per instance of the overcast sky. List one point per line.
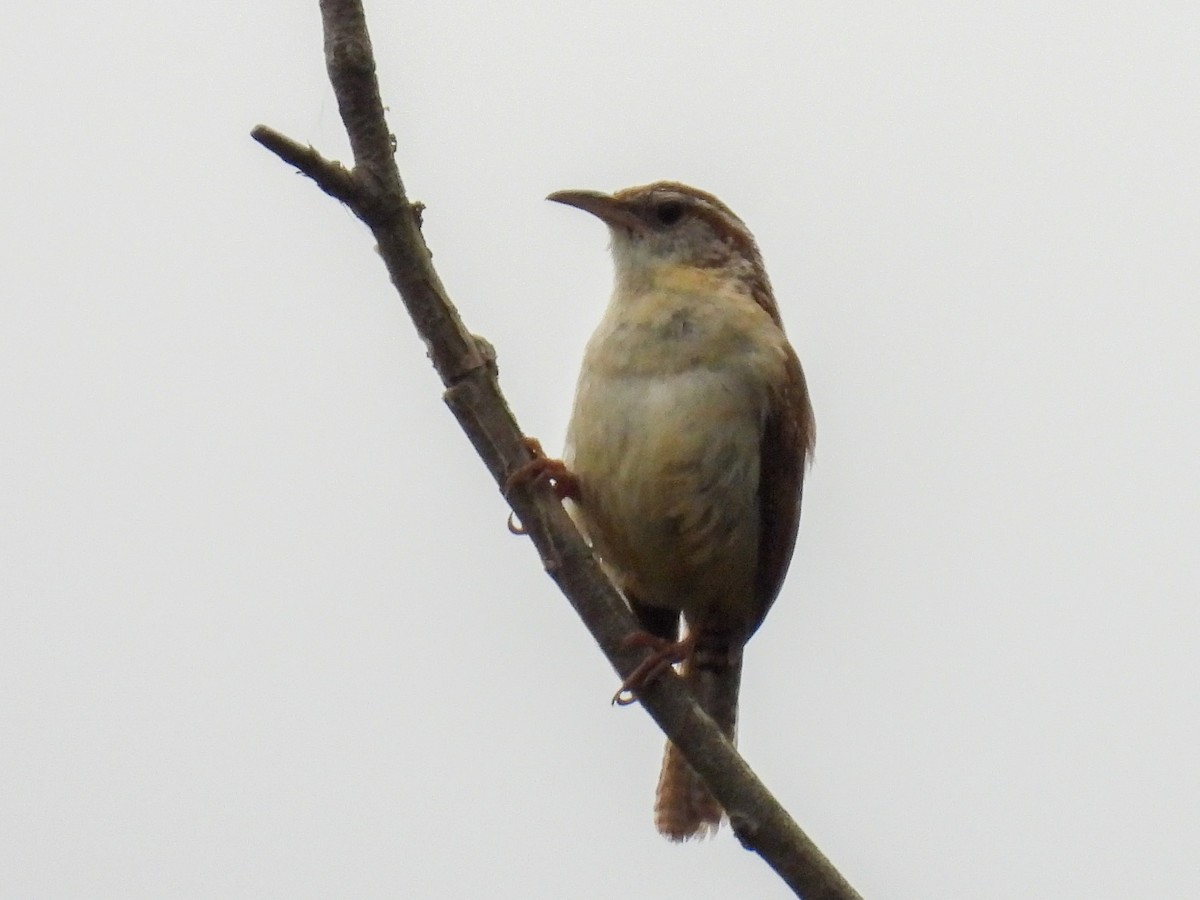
(262, 630)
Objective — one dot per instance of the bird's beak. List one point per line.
(605, 207)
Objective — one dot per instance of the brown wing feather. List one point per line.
(788, 438)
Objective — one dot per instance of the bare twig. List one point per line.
(375, 192)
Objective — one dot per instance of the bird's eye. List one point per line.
(668, 212)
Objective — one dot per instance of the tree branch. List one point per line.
(375, 193)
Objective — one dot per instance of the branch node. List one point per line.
(745, 828)
(486, 350)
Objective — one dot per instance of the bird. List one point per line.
(686, 451)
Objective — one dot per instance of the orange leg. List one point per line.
(542, 467)
(666, 654)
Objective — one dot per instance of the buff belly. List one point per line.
(668, 468)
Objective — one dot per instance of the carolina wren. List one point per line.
(687, 447)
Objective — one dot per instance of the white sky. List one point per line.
(262, 630)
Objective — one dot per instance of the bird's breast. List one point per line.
(665, 441)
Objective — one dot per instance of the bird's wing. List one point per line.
(788, 437)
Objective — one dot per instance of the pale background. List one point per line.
(263, 632)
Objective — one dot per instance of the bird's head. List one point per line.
(667, 224)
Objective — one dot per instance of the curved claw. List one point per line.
(543, 467)
(624, 697)
(666, 654)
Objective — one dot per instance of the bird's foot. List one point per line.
(543, 468)
(666, 654)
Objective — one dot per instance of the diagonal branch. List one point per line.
(374, 191)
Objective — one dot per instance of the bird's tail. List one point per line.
(683, 806)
